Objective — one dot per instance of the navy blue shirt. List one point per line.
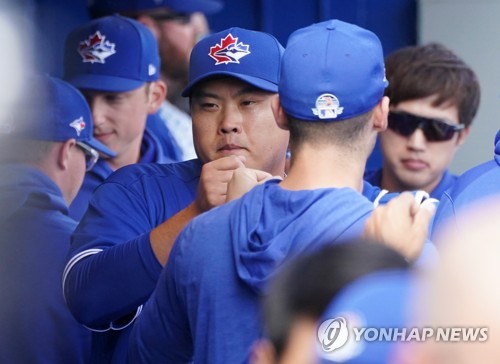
(151, 152)
(36, 325)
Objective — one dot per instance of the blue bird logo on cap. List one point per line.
(229, 50)
(96, 48)
(78, 125)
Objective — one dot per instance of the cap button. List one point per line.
(331, 25)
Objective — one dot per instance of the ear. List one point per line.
(64, 153)
(380, 113)
(462, 136)
(262, 352)
(279, 113)
(157, 94)
(150, 23)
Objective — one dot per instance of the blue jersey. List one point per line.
(36, 325)
(151, 152)
(477, 183)
(113, 269)
(207, 302)
(447, 181)
(111, 247)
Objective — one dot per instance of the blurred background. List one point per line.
(32, 33)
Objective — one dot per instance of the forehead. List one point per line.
(96, 93)
(225, 86)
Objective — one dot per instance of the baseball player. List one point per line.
(174, 25)
(434, 97)
(114, 61)
(205, 305)
(124, 239)
(45, 149)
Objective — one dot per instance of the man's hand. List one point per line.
(214, 178)
(244, 179)
(401, 224)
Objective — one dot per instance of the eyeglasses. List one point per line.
(91, 155)
(181, 18)
(435, 130)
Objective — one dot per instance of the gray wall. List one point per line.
(471, 28)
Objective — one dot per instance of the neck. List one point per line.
(325, 167)
(128, 156)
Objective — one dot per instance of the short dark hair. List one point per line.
(417, 72)
(306, 286)
(344, 132)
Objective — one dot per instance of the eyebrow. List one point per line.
(242, 91)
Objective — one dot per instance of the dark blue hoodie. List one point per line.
(36, 325)
(206, 304)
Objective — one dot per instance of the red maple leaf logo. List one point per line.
(224, 44)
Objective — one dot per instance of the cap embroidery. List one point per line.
(229, 50)
(78, 125)
(96, 48)
(327, 107)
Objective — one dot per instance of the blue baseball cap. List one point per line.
(248, 55)
(331, 71)
(108, 7)
(377, 300)
(54, 111)
(113, 54)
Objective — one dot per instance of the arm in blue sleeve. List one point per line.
(161, 333)
(113, 269)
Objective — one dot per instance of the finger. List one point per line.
(259, 175)
(231, 162)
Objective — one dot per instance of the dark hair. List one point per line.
(343, 133)
(417, 72)
(306, 286)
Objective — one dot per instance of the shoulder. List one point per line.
(477, 182)
(185, 171)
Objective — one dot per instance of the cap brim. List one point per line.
(254, 81)
(101, 148)
(104, 83)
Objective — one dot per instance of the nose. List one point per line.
(97, 107)
(417, 141)
(231, 122)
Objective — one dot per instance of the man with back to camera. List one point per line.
(204, 309)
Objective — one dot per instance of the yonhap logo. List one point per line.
(333, 334)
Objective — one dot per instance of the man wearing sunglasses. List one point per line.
(434, 98)
(46, 147)
(177, 26)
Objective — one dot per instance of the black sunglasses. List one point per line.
(181, 18)
(91, 155)
(435, 130)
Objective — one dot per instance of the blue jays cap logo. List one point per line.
(327, 107)
(96, 48)
(78, 125)
(229, 50)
